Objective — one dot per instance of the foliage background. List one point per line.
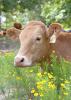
(47, 11)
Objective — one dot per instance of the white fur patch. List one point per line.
(53, 38)
(26, 62)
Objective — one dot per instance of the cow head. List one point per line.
(35, 43)
(13, 33)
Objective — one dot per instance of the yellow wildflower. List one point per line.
(50, 75)
(45, 73)
(43, 81)
(65, 93)
(66, 81)
(18, 78)
(36, 94)
(39, 74)
(38, 83)
(40, 87)
(62, 85)
(51, 85)
(33, 90)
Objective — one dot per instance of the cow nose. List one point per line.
(22, 60)
(18, 61)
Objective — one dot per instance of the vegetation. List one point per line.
(47, 11)
(20, 84)
(29, 83)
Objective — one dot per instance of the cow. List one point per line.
(13, 32)
(37, 42)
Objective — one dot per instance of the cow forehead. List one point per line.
(31, 30)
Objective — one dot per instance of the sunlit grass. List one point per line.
(30, 84)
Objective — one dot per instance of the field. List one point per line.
(32, 84)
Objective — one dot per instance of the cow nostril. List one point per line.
(22, 60)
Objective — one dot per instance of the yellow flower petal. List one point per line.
(62, 85)
(18, 78)
(35, 94)
(65, 93)
(33, 90)
(66, 81)
(50, 75)
(39, 74)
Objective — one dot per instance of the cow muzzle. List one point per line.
(22, 61)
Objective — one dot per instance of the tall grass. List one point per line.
(30, 84)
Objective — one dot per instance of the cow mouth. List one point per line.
(21, 65)
(24, 66)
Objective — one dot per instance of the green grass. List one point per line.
(30, 84)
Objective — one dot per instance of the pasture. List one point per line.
(30, 84)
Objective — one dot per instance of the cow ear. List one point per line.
(18, 26)
(53, 31)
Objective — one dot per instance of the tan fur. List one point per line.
(35, 50)
(13, 32)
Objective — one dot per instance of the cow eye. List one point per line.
(38, 38)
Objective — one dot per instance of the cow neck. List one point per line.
(52, 47)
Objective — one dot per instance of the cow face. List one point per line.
(34, 44)
(13, 33)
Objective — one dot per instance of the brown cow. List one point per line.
(13, 32)
(37, 43)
